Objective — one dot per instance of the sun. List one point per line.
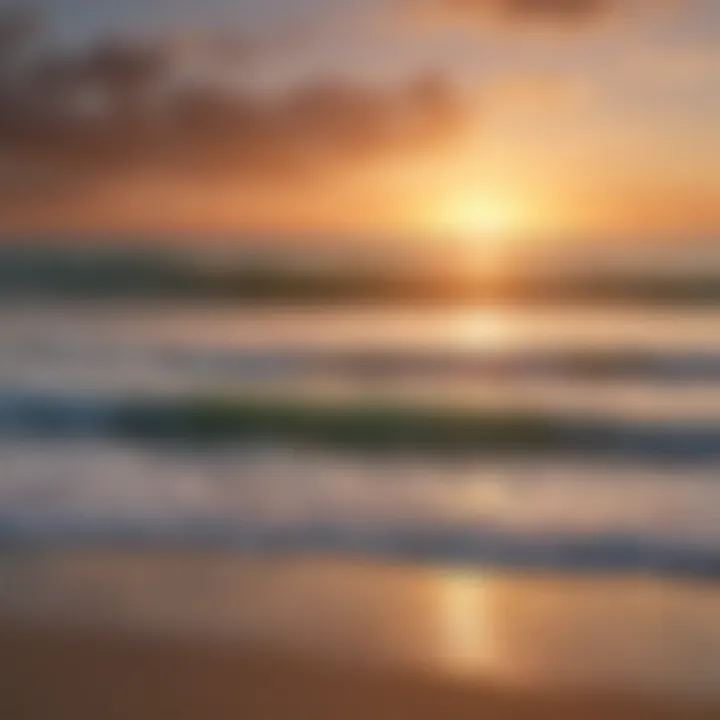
(483, 218)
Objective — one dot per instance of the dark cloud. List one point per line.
(522, 10)
(560, 13)
(118, 110)
(17, 27)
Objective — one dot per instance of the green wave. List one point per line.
(361, 425)
(358, 425)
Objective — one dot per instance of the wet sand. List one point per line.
(191, 636)
(54, 673)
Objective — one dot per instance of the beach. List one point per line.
(176, 547)
(116, 634)
(58, 673)
(359, 360)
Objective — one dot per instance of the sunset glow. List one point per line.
(364, 122)
(482, 218)
(360, 359)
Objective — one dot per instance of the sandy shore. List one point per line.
(103, 635)
(52, 673)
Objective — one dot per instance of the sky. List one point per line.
(530, 118)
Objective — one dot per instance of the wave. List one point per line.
(357, 425)
(481, 544)
(665, 366)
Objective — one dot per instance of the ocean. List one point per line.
(584, 439)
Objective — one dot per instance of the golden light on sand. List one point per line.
(467, 643)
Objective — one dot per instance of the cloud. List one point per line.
(17, 27)
(71, 120)
(561, 14)
(531, 10)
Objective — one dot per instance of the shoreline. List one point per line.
(92, 634)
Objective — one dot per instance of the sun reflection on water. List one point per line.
(490, 329)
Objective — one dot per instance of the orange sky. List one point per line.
(533, 119)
